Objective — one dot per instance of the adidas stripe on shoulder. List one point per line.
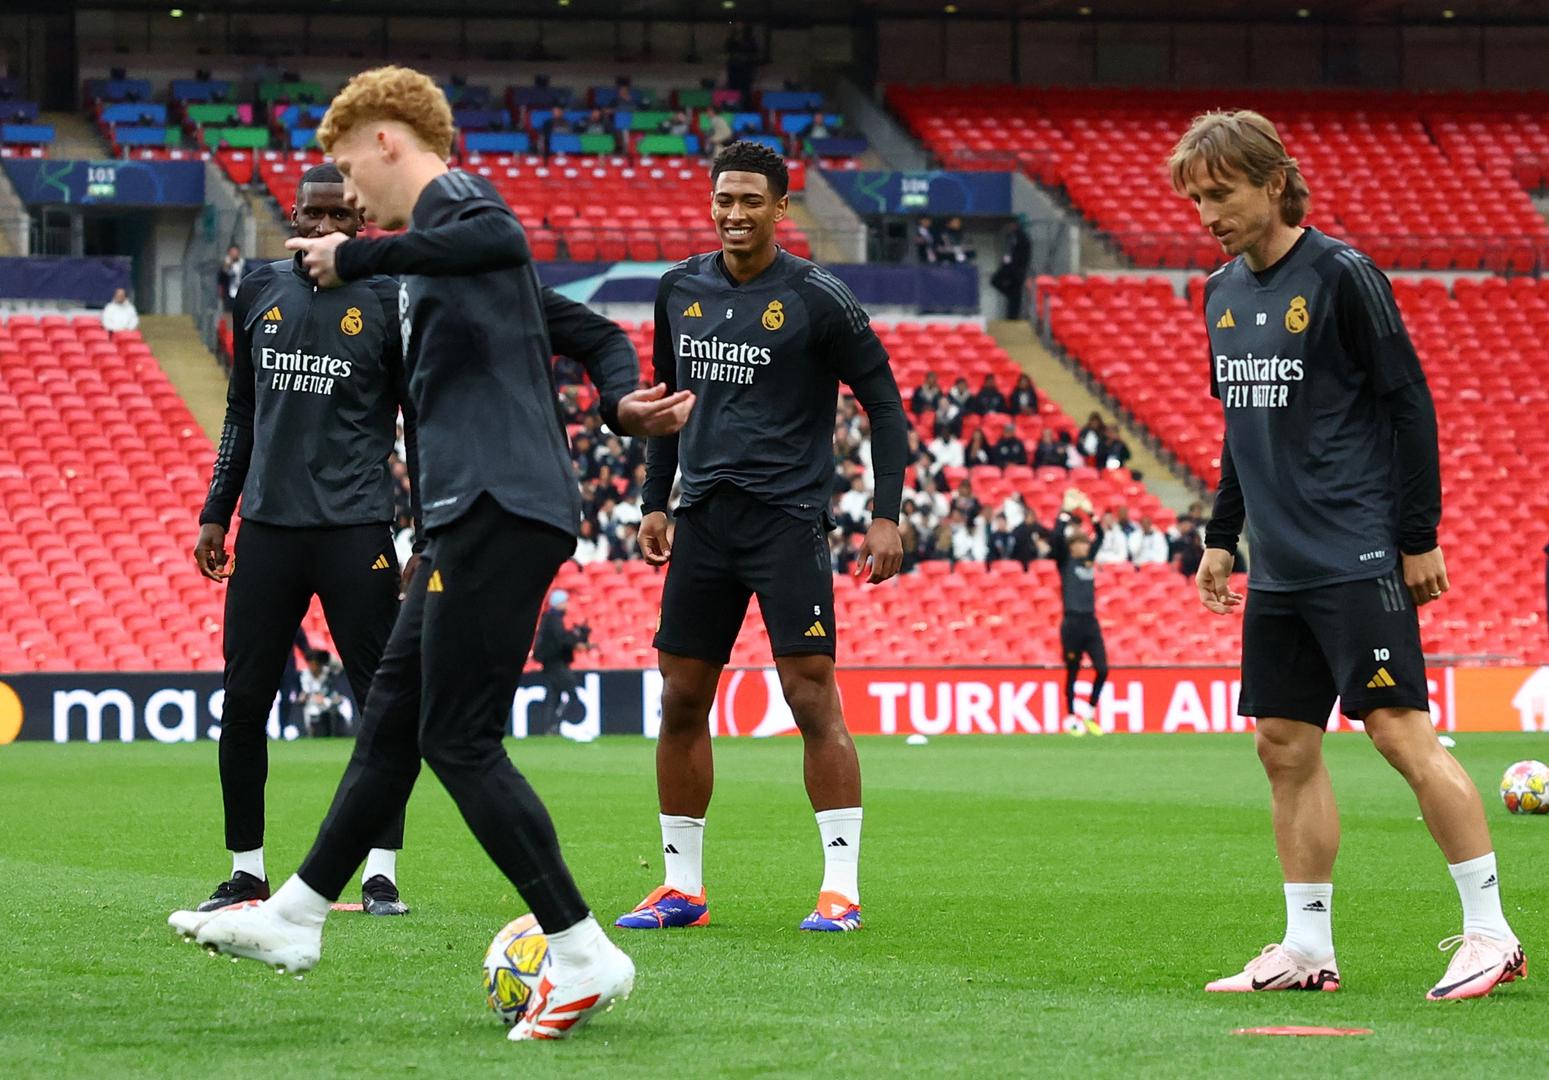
(1375, 294)
(841, 295)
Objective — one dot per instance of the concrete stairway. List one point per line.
(192, 369)
(1060, 384)
(74, 138)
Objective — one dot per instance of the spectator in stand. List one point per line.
(625, 547)
(676, 124)
(962, 396)
(952, 246)
(589, 547)
(946, 451)
(1011, 276)
(1125, 524)
(1049, 453)
(625, 99)
(989, 399)
(968, 538)
(950, 412)
(1148, 546)
(1009, 448)
(966, 503)
(940, 544)
(1032, 542)
(230, 276)
(598, 123)
(927, 396)
(1024, 397)
(1187, 548)
(718, 133)
(853, 503)
(979, 451)
(558, 124)
(1002, 541)
(119, 314)
(1112, 545)
(927, 240)
(1114, 453)
(1092, 437)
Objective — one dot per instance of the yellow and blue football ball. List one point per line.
(514, 964)
(1525, 788)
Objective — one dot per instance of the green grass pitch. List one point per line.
(1034, 907)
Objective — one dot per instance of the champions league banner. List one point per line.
(171, 707)
(47, 182)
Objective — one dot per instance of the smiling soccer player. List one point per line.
(763, 338)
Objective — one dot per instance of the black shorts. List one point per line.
(1081, 634)
(1357, 640)
(731, 546)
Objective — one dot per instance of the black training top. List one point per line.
(764, 359)
(1078, 577)
(311, 412)
(480, 333)
(1330, 444)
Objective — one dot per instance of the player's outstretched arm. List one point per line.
(485, 239)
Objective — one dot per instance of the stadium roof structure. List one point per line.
(832, 11)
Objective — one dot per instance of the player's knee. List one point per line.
(241, 710)
(1407, 741)
(686, 705)
(1286, 758)
(812, 701)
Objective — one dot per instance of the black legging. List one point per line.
(354, 571)
(444, 693)
(1081, 635)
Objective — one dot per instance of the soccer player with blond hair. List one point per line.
(1330, 459)
(501, 509)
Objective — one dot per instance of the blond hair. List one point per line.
(390, 93)
(1242, 142)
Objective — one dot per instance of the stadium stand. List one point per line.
(571, 207)
(96, 498)
(1154, 363)
(1419, 182)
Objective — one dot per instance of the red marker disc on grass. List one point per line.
(345, 907)
(1297, 1030)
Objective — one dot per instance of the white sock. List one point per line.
(380, 861)
(248, 862)
(1309, 926)
(683, 845)
(299, 903)
(579, 945)
(841, 833)
(1480, 891)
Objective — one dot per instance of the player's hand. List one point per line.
(1215, 582)
(656, 533)
(210, 553)
(653, 411)
(318, 257)
(882, 554)
(410, 568)
(1425, 576)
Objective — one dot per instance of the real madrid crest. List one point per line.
(1296, 317)
(353, 324)
(774, 315)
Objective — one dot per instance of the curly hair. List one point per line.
(390, 93)
(752, 157)
(1246, 142)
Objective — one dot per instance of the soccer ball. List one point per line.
(1525, 788)
(516, 960)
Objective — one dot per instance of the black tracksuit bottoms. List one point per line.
(444, 693)
(353, 569)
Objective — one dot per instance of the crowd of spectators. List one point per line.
(938, 520)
